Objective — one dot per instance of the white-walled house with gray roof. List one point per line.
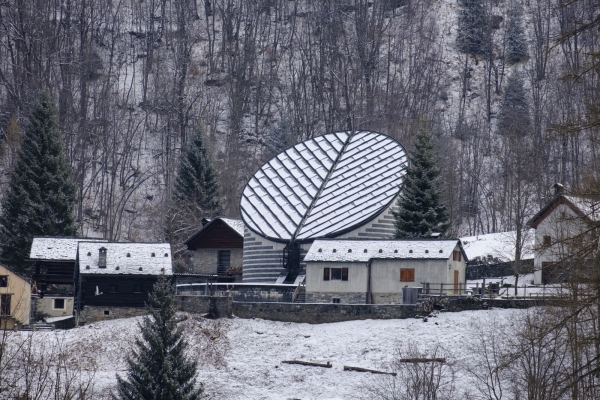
(375, 271)
(113, 279)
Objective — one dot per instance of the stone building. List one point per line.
(563, 218)
(340, 185)
(217, 249)
(376, 271)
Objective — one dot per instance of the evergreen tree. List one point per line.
(41, 193)
(196, 184)
(473, 36)
(158, 368)
(421, 210)
(515, 43)
(514, 118)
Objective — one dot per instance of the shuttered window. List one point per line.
(407, 274)
(456, 255)
(325, 274)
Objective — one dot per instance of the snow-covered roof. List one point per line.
(324, 186)
(364, 250)
(126, 258)
(236, 224)
(590, 208)
(56, 248)
(499, 245)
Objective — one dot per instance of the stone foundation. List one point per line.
(91, 314)
(344, 297)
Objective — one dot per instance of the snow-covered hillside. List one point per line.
(241, 359)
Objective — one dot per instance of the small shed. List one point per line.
(15, 299)
(218, 249)
(118, 275)
(376, 271)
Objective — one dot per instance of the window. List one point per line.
(106, 312)
(456, 255)
(547, 240)
(5, 305)
(3, 281)
(407, 274)
(112, 289)
(335, 274)
(335, 300)
(137, 289)
(59, 304)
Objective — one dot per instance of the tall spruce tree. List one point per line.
(473, 30)
(158, 368)
(41, 194)
(514, 117)
(515, 43)
(421, 210)
(196, 183)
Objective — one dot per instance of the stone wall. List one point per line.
(345, 297)
(213, 306)
(321, 313)
(91, 314)
(205, 261)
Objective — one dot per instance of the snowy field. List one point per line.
(241, 359)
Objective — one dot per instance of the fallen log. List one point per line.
(307, 363)
(373, 371)
(421, 360)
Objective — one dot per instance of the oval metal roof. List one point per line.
(324, 186)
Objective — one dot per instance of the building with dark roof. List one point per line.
(217, 249)
(338, 185)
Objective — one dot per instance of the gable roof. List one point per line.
(364, 250)
(125, 258)
(10, 271)
(57, 248)
(586, 208)
(500, 245)
(236, 227)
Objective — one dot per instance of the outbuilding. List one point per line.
(114, 279)
(376, 271)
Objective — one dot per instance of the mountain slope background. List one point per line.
(133, 80)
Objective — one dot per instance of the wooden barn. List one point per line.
(114, 279)
(217, 249)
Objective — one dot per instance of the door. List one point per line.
(455, 282)
(223, 262)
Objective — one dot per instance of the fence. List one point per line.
(495, 290)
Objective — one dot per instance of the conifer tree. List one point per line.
(473, 37)
(196, 183)
(158, 368)
(41, 194)
(514, 118)
(421, 210)
(515, 43)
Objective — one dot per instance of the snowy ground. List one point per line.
(241, 359)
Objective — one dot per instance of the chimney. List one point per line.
(102, 257)
(558, 189)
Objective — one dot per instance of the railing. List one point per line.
(297, 291)
(495, 290)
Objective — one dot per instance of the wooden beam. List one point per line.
(309, 364)
(373, 371)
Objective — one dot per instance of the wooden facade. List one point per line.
(115, 290)
(216, 235)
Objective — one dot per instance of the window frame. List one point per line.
(3, 281)
(64, 304)
(407, 274)
(5, 305)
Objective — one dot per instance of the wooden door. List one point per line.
(455, 282)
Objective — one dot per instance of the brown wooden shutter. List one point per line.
(325, 274)
(407, 275)
(344, 274)
(459, 255)
(411, 275)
